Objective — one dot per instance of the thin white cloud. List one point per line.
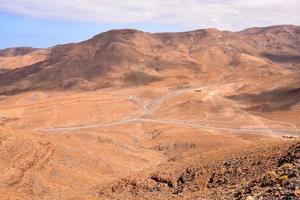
(223, 14)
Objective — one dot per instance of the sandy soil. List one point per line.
(72, 145)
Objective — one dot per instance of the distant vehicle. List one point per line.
(289, 136)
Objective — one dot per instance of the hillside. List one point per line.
(132, 57)
(126, 114)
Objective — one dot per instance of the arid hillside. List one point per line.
(205, 114)
(132, 57)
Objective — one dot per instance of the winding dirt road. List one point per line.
(150, 106)
(179, 123)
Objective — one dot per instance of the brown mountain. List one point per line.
(132, 57)
(205, 114)
(16, 51)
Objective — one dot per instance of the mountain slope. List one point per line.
(205, 114)
(131, 57)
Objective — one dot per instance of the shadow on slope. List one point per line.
(282, 58)
(271, 101)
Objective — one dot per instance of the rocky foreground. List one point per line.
(263, 173)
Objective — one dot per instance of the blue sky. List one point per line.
(44, 23)
(19, 31)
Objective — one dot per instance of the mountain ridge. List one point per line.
(111, 58)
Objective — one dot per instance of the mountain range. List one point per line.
(130, 57)
(127, 114)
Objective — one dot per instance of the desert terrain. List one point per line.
(205, 114)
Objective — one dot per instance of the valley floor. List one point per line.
(192, 142)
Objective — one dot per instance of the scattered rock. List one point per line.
(249, 198)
